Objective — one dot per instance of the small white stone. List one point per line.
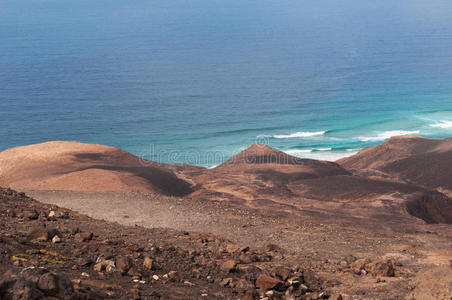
(188, 283)
(51, 214)
(110, 268)
(56, 239)
(155, 277)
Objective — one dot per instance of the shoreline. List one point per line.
(321, 147)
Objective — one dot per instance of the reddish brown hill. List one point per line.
(262, 154)
(394, 149)
(261, 178)
(267, 179)
(259, 156)
(417, 160)
(85, 167)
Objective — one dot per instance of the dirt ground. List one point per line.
(422, 257)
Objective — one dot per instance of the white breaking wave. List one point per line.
(300, 134)
(298, 152)
(442, 124)
(386, 135)
(321, 155)
(323, 149)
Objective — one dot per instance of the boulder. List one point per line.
(38, 235)
(243, 285)
(282, 273)
(20, 289)
(173, 275)
(35, 283)
(232, 248)
(98, 267)
(265, 282)
(381, 268)
(228, 266)
(147, 263)
(83, 237)
(31, 214)
(335, 297)
(251, 294)
(85, 262)
(55, 285)
(349, 258)
(134, 272)
(226, 282)
(110, 268)
(54, 232)
(359, 264)
(123, 263)
(48, 283)
(312, 280)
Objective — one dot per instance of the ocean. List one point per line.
(197, 81)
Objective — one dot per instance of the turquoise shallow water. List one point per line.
(197, 81)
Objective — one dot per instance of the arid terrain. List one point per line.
(376, 225)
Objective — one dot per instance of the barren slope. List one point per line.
(85, 167)
(259, 178)
(417, 160)
(271, 181)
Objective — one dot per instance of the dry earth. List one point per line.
(327, 249)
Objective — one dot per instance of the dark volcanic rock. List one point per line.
(83, 237)
(31, 214)
(38, 235)
(36, 284)
(123, 263)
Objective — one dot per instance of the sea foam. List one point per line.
(323, 149)
(300, 134)
(297, 152)
(442, 124)
(327, 155)
(386, 135)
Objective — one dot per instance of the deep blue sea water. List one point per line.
(196, 81)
